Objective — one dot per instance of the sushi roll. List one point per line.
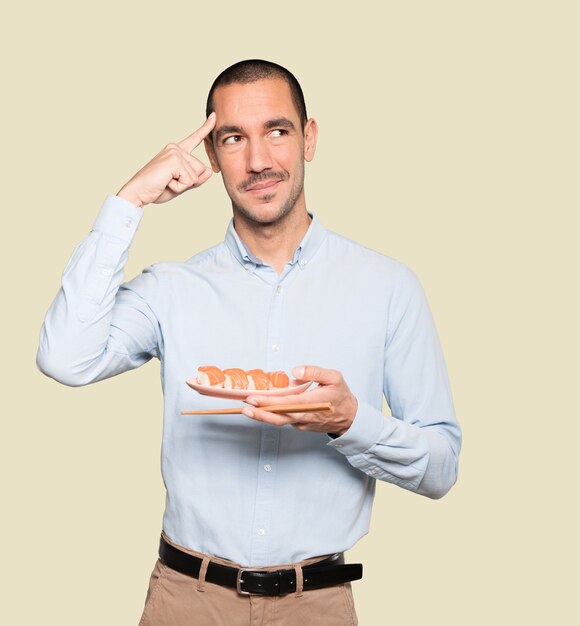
(258, 379)
(278, 380)
(236, 378)
(210, 375)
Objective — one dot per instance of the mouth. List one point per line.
(269, 185)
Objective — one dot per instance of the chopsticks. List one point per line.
(275, 408)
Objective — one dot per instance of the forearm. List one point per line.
(419, 457)
(79, 341)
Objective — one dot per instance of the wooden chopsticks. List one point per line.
(275, 408)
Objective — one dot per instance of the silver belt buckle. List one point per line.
(240, 580)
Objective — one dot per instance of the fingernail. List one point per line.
(252, 401)
(298, 372)
(248, 412)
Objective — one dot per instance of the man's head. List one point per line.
(253, 70)
(260, 140)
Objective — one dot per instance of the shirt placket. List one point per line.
(270, 435)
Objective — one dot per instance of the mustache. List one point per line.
(262, 176)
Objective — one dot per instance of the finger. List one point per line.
(192, 141)
(317, 374)
(179, 186)
(196, 165)
(306, 397)
(315, 422)
(191, 173)
(276, 419)
(205, 175)
(202, 172)
(184, 177)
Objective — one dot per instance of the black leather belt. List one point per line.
(326, 573)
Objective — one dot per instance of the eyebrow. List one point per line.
(226, 129)
(279, 122)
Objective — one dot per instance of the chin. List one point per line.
(266, 214)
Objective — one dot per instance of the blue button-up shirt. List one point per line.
(236, 488)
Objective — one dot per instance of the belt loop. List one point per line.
(202, 573)
(299, 580)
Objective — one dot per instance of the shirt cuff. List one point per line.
(368, 427)
(118, 218)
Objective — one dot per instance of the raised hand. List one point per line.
(171, 172)
(331, 388)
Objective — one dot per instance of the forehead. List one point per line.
(243, 103)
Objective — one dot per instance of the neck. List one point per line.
(274, 243)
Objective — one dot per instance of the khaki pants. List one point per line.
(174, 599)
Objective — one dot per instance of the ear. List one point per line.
(310, 138)
(209, 150)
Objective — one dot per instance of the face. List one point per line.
(259, 146)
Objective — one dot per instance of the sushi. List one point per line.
(258, 379)
(236, 378)
(210, 375)
(278, 380)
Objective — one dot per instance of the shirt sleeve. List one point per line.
(417, 447)
(96, 328)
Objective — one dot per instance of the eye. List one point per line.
(232, 139)
(279, 132)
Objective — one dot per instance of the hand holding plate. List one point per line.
(331, 388)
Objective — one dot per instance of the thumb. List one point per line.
(317, 374)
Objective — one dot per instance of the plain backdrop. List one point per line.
(449, 139)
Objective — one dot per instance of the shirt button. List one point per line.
(302, 262)
(279, 289)
(275, 348)
(261, 532)
(339, 445)
(106, 272)
(268, 468)
(374, 471)
(128, 223)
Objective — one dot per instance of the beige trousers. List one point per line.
(175, 599)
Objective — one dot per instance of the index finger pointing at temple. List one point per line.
(190, 143)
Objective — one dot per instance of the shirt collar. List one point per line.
(304, 252)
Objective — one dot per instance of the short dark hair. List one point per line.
(252, 70)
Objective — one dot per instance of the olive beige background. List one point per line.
(449, 139)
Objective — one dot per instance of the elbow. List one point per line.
(436, 492)
(56, 369)
(439, 477)
(442, 467)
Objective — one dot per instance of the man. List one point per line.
(283, 493)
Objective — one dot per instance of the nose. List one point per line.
(258, 157)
